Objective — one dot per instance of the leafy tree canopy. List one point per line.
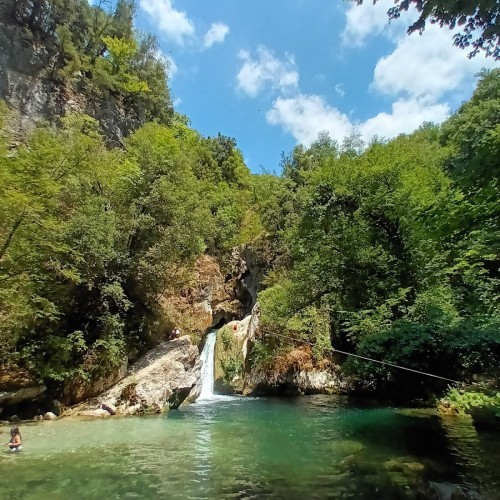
(478, 19)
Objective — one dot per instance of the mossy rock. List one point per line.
(229, 362)
(348, 447)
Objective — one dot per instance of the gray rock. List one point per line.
(28, 86)
(160, 380)
(14, 419)
(50, 416)
(9, 398)
(78, 389)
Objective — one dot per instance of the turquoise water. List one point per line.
(308, 447)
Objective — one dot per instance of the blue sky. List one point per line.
(274, 73)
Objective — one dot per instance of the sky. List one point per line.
(275, 73)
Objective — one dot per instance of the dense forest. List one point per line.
(391, 249)
(388, 249)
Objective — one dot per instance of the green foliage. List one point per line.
(90, 237)
(392, 251)
(232, 367)
(116, 66)
(463, 402)
(479, 21)
(95, 50)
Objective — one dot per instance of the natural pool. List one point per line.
(308, 447)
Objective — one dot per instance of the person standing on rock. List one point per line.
(15, 440)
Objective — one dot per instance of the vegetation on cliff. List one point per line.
(94, 51)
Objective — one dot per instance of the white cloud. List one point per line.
(264, 70)
(367, 20)
(177, 102)
(339, 90)
(216, 34)
(427, 65)
(406, 116)
(173, 23)
(172, 66)
(304, 116)
(422, 75)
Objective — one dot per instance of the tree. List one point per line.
(480, 21)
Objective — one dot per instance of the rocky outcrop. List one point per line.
(162, 379)
(218, 295)
(28, 86)
(231, 352)
(78, 389)
(294, 382)
(8, 398)
(18, 388)
(297, 372)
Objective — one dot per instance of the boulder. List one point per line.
(160, 380)
(77, 389)
(10, 398)
(50, 416)
(14, 419)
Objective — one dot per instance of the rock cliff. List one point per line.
(28, 86)
(219, 293)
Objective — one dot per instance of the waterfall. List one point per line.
(207, 369)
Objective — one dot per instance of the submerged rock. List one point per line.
(448, 491)
(160, 380)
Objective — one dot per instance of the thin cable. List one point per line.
(373, 360)
(397, 366)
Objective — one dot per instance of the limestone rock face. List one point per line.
(220, 294)
(17, 386)
(27, 85)
(294, 382)
(160, 380)
(231, 352)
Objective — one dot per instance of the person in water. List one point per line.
(15, 440)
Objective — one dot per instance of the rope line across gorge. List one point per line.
(393, 365)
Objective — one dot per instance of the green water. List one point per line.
(309, 447)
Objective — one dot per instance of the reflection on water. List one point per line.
(309, 447)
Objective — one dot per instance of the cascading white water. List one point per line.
(207, 368)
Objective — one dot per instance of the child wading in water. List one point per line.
(15, 440)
